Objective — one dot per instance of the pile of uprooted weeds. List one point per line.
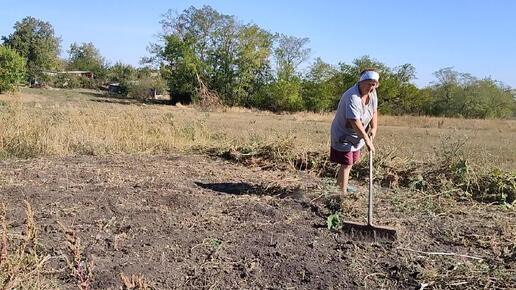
(451, 172)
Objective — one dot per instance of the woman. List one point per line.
(357, 109)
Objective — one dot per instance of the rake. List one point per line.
(370, 230)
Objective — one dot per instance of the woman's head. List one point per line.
(369, 80)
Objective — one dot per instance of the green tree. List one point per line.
(182, 68)
(348, 74)
(290, 52)
(124, 74)
(319, 90)
(281, 95)
(222, 60)
(445, 92)
(203, 48)
(148, 82)
(499, 100)
(285, 91)
(254, 50)
(461, 94)
(87, 57)
(364, 62)
(12, 69)
(191, 51)
(35, 40)
(120, 72)
(397, 95)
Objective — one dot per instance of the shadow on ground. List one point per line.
(241, 188)
(104, 97)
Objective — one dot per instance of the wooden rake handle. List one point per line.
(370, 197)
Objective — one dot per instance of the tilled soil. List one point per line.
(192, 222)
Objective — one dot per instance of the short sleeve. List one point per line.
(353, 110)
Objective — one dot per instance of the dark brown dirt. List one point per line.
(191, 222)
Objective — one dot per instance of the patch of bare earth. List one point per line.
(191, 222)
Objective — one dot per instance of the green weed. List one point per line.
(334, 221)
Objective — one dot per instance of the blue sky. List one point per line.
(477, 37)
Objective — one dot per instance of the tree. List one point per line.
(285, 91)
(319, 89)
(405, 73)
(398, 94)
(204, 49)
(191, 52)
(86, 57)
(281, 95)
(120, 72)
(364, 62)
(12, 69)
(290, 52)
(461, 94)
(35, 40)
(182, 69)
(124, 74)
(148, 82)
(499, 100)
(253, 54)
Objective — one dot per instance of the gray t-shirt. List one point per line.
(343, 136)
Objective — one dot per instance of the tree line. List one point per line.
(202, 50)
(31, 55)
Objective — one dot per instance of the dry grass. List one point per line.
(38, 123)
(64, 122)
(91, 129)
(23, 264)
(81, 268)
(417, 152)
(21, 261)
(134, 282)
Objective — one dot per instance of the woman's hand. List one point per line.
(373, 133)
(369, 144)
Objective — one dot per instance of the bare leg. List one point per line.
(343, 177)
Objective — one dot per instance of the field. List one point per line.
(125, 195)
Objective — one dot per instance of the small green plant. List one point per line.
(214, 243)
(452, 147)
(334, 221)
(418, 182)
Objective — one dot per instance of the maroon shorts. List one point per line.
(344, 158)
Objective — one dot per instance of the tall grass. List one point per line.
(65, 122)
(31, 132)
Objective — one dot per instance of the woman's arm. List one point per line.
(374, 124)
(359, 128)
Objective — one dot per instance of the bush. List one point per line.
(496, 186)
(144, 87)
(12, 69)
(281, 96)
(71, 81)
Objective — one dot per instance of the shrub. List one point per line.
(12, 69)
(144, 87)
(281, 96)
(71, 81)
(496, 186)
